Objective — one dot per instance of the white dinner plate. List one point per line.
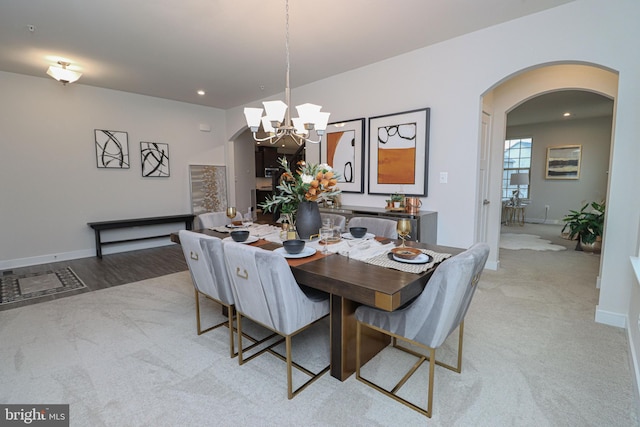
(365, 237)
(420, 259)
(307, 251)
(250, 239)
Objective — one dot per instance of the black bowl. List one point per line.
(293, 246)
(240, 235)
(358, 232)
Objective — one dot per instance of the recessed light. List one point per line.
(567, 114)
(201, 92)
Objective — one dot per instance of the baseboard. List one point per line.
(544, 221)
(492, 265)
(610, 318)
(84, 253)
(633, 362)
(45, 259)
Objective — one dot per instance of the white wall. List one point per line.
(452, 77)
(594, 135)
(50, 185)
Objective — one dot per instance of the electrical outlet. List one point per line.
(546, 207)
(444, 177)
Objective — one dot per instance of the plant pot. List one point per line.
(595, 247)
(308, 220)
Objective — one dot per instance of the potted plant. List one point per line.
(397, 200)
(586, 224)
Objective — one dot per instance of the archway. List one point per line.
(513, 91)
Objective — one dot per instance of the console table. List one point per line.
(424, 224)
(98, 227)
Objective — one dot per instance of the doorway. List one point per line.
(515, 91)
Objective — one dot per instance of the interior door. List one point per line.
(483, 179)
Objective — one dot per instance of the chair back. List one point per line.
(381, 227)
(213, 219)
(441, 307)
(266, 291)
(339, 221)
(204, 256)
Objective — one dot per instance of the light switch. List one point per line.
(444, 176)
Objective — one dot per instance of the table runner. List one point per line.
(370, 251)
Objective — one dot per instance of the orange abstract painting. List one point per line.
(396, 166)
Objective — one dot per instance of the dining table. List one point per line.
(351, 282)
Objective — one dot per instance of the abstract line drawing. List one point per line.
(341, 153)
(155, 159)
(342, 147)
(112, 149)
(397, 154)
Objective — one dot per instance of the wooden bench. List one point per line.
(98, 227)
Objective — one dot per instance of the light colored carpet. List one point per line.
(527, 241)
(129, 355)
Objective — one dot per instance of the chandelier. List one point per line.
(62, 73)
(277, 122)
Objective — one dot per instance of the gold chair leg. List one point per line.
(393, 393)
(239, 321)
(287, 358)
(289, 374)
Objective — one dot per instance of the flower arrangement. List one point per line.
(310, 183)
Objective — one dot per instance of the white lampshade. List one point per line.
(321, 123)
(266, 125)
(275, 110)
(253, 117)
(298, 124)
(519, 179)
(63, 74)
(308, 112)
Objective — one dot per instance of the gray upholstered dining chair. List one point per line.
(381, 227)
(204, 255)
(429, 319)
(213, 219)
(339, 221)
(266, 292)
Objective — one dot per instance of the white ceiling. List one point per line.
(551, 107)
(233, 49)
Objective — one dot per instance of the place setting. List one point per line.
(405, 258)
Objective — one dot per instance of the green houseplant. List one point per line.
(586, 224)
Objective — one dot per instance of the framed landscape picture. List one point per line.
(563, 162)
(342, 148)
(399, 153)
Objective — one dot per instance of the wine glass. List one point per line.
(403, 228)
(231, 212)
(326, 234)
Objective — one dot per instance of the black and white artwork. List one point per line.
(155, 159)
(112, 149)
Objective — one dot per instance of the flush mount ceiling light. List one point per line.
(277, 122)
(62, 73)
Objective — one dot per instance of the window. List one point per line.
(517, 159)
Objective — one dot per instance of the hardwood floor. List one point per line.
(111, 270)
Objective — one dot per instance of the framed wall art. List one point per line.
(155, 159)
(563, 162)
(112, 149)
(399, 153)
(342, 148)
(208, 185)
